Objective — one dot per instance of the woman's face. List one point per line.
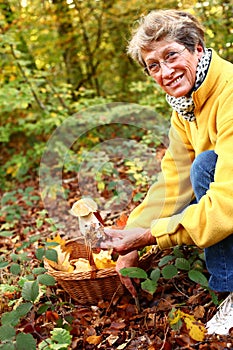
(177, 78)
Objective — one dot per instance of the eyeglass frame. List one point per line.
(146, 68)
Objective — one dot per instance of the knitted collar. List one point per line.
(185, 105)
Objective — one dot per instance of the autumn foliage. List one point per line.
(59, 59)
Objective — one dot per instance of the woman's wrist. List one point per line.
(150, 238)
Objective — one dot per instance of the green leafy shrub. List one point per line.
(188, 260)
(29, 286)
(60, 339)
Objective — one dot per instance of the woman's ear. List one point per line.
(199, 50)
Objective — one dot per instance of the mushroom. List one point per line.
(90, 221)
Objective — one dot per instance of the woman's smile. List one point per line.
(175, 81)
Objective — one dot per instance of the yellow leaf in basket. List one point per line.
(57, 239)
(104, 264)
(81, 265)
(63, 263)
(103, 259)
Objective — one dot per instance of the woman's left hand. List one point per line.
(127, 260)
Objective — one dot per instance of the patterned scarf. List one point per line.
(185, 105)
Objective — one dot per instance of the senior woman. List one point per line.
(192, 201)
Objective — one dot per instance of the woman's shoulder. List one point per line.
(221, 64)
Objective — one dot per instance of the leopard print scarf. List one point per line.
(185, 105)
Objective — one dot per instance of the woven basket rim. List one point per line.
(111, 271)
(101, 273)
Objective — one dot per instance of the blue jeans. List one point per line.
(219, 257)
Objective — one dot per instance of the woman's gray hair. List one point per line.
(174, 25)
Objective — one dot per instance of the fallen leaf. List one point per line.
(94, 339)
(63, 263)
(117, 325)
(103, 260)
(121, 222)
(199, 311)
(196, 330)
(51, 316)
(81, 265)
(57, 239)
(112, 339)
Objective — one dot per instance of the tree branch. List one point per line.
(40, 104)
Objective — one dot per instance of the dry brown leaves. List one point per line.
(117, 324)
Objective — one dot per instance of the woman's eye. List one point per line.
(153, 66)
(171, 55)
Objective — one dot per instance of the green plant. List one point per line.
(32, 289)
(60, 340)
(150, 94)
(13, 207)
(188, 260)
(24, 281)
(28, 287)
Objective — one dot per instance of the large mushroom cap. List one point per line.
(84, 207)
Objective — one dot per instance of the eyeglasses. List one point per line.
(171, 58)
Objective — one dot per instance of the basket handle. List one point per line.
(91, 260)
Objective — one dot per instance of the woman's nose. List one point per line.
(166, 71)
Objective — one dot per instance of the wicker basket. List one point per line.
(89, 287)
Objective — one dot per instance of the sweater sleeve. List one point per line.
(172, 191)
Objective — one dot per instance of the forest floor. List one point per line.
(113, 324)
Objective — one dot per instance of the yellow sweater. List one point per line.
(166, 208)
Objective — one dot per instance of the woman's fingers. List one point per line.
(127, 282)
(131, 259)
(113, 233)
(125, 241)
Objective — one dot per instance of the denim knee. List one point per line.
(202, 172)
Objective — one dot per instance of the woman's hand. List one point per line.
(128, 260)
(127, 240)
